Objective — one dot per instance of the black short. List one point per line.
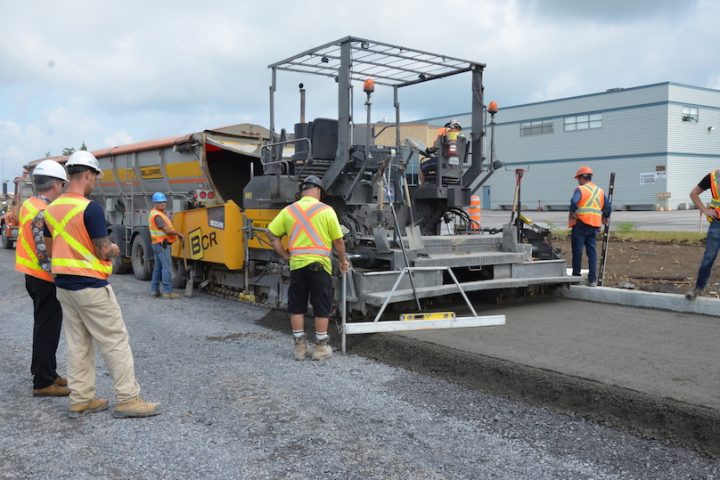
(312, 282)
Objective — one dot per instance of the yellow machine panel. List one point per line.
(212, 234)
(261, 218)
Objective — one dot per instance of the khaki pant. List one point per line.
(94, 314)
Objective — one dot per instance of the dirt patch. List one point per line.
(654, 267)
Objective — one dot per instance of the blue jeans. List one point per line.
(584, 236)
(712, 245)
(162, 269)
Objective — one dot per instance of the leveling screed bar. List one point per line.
(414, 321)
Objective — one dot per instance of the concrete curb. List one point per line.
(637, 298)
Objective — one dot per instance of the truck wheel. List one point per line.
(121, 265)
(142, 258)
(6, 242)
(178, 273)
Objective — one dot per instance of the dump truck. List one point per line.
(225, 186)
(9, 222)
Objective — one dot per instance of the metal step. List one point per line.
(378, 298)
(454, 260)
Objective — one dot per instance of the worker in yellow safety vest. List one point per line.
(589, 209)
(313, 230)
(81, 262)
(32, 259)
(162, 235)
(711, 182)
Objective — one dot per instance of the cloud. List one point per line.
(98, 72)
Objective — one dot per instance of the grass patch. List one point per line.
(691, 238)
(659, 237)
(625, 227)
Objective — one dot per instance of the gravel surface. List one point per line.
(236, 405)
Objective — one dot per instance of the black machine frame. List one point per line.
(355, 59)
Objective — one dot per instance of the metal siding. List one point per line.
(690, 137)
(684, 173)
(553, 184)
(642, 128)
(623, 132)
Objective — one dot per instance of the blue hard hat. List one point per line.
(159, 197)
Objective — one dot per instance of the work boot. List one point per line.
(91, 406)
(693, 293)
(51, 390)
(592, 284)
(136, 407)
(170, 296)
(155, 294)
(322, 351)
(61, 382)
(301, 348)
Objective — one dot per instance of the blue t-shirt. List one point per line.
(94, 219)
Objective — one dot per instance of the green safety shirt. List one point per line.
(324, 222)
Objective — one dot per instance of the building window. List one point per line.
(538, 127)
(690, 114)
(583, 122)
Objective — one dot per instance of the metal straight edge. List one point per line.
(404, 326)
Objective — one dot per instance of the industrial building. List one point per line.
(659, 139)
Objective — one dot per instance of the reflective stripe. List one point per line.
(157, 235)
(26, 260)
(303, 224)
(70, 255)
(590, 205)
(715, 190)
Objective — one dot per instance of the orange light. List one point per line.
(492, 108)
(369, 85)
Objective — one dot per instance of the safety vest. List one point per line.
(305, 238)
(590, 206)
(73, 252)
(26, 260)
(157, 235)
(715, 190)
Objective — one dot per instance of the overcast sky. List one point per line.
(109, 73)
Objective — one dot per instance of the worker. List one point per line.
(589, 209)
(162, 235)
(32, 259)
(712, 244)
(313, 230)
(446, 140)
(81, 262)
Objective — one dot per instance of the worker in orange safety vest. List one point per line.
(313, 230)
(32, 259)
(589, 209)
(162, 236)
(82, 251)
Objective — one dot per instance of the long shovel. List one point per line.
(412, 231)
(187, 273)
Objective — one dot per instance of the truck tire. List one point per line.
(142, 258)
(178, 273)
(6, 242)
(121, 265)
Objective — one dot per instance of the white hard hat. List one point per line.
(50, 168)
(84, 158)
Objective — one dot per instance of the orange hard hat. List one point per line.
(584, 170)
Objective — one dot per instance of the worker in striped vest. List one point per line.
(589, 210)
(711, 182)
(32, 259)
(162, 236)
(81, 261)
(313, 230)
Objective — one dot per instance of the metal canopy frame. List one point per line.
(390, 65)
(356, 59)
